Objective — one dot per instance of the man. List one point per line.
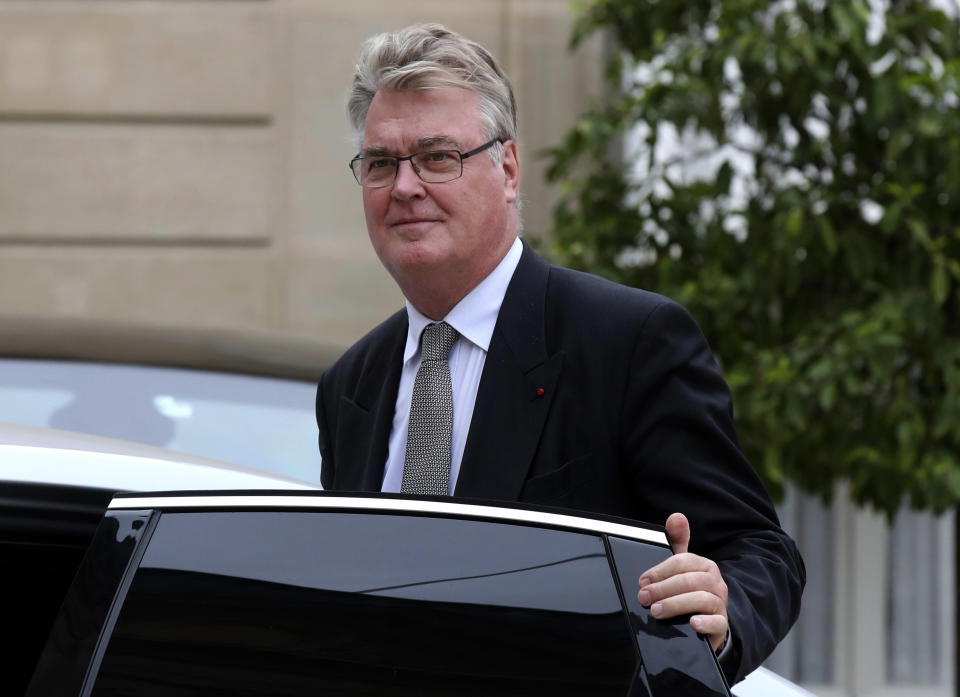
(508, 378)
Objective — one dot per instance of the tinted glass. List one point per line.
(675, 661)
(259, 422)
(266, 603)
(44, 531)
(88, 605)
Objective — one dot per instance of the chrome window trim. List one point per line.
(391, 506)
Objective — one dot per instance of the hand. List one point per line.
(687, 583)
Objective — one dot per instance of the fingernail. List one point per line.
(644, 597)
(697, 624)
(656, 609)
(644, 581)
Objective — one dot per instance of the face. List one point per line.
(448, 236)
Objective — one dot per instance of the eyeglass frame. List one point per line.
(409, 158)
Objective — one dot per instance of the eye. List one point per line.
(379, 163)
(437, 156)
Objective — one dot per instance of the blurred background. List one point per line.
(179, 167)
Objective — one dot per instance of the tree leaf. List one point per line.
(840, 338)
(939, 282)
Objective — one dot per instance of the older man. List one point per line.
(508, 378)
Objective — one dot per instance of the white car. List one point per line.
(231, 396)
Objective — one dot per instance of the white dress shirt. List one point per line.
(474, 317)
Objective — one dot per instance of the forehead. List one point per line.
(406, 119)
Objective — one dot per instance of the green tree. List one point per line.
(790, 172)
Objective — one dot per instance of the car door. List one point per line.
(319, 594)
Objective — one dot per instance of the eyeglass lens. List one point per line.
(435, 166)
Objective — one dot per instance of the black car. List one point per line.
(305, 593)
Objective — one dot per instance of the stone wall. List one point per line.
(183, 163)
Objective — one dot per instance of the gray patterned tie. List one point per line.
(426, 466)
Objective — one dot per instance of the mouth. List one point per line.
(411, 221)
(412, 225)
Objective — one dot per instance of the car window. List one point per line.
(44, 532)
(664, 644)
(260, 422)
(296, 603)
(73, 640)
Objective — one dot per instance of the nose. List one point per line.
(407, 184)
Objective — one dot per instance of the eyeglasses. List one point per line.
(432, 166)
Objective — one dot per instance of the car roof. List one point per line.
(33, 455)
(272, 354)
(387, 503)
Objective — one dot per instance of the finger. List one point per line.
(677, 564)
(678, 532)
(696, 603)
(713, 626)
(690, 582)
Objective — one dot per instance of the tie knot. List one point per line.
(437, 340)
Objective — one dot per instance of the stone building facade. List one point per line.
(184, 163)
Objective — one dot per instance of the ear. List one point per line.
(511, 171)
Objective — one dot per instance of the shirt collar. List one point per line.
(475, 316)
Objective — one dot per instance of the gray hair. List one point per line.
(430, 56)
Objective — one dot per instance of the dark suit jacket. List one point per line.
(596, 397)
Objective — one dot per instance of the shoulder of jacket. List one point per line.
(581, 289)
(374, 341)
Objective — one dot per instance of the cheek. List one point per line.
(374, 208)
(486, 207)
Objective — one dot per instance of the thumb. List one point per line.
(678, 532)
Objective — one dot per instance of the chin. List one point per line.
(410, 256)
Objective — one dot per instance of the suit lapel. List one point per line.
(367, 417)
(516, 389)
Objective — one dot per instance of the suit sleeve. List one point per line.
(683, 455)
